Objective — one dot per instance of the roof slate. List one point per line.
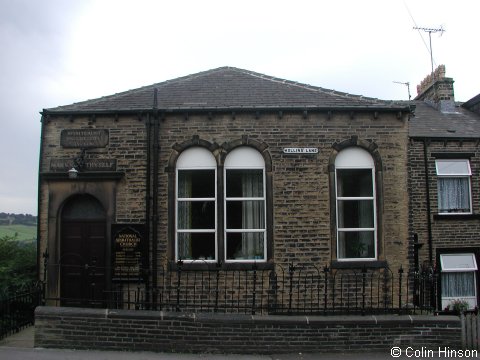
(227, 88)
(431, 123)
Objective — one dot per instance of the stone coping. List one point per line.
(51, 311)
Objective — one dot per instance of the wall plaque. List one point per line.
(84, 138)
(128, 252)
(300, 150)
(63, 165)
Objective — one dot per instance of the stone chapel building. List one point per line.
(228, 169)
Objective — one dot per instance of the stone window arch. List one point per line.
(356, 201)
(224, 166)
(244, 198)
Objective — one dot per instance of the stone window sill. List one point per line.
(376, 264)
(196, 266)
(456, 217)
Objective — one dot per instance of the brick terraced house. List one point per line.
(230, 170)
(444, 184)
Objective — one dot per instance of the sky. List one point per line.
(57, 52)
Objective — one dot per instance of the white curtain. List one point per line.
(184, 220)
(366, 220)
(458, 284)
(453, 195)
(252, 214)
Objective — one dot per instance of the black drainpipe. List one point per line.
(148, 209)
(429, 211)
(39, 195)
(156, 149)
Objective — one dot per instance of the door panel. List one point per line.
(95, 248)
(83, 263)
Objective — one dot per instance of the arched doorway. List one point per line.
(83, 252)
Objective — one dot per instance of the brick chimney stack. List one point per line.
(437, 90)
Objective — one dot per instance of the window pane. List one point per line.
(453, 195)
(196, 183)
(356, 244)
(453, 167)
(248, 214)
(196, 246)
(244, 183)
(354, 182)
(196, 215)
(355, 214)
(83, 207)
(457, 284)
(245, 246)
(456, 262)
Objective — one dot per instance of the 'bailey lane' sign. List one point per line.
(84, 138)
(300, 150)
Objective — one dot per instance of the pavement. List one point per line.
(20, 346)
(23, 339)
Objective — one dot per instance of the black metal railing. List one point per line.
(17, 309)
(290, 290)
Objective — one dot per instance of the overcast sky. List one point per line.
(56, 52)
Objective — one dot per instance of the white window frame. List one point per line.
(356, 158)
(470, 265)
(245, 158)
(467, 174)
(196, 158)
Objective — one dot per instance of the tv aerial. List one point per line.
(441, 30)
(408, 88)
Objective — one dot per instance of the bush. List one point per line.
(18, 263)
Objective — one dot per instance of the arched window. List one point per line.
(355, 205)
(196, 206)
(221, 208)
(245, 208)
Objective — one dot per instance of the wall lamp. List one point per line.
(78, 165)
(72, 173)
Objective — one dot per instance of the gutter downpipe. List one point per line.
(156, 149)
(148, 198)
(429, 210)
(39, 196)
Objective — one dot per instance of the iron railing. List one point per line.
(17, 309)
(289, 290)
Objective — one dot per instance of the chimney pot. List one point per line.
(437, 90)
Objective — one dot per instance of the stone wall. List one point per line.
(126, 145)
(123, 195)
(303, 231)
(303, 223)
(77, 328)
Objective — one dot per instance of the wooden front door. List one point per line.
(83, 253)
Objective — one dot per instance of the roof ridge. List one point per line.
(307, 86)
(190, 76)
